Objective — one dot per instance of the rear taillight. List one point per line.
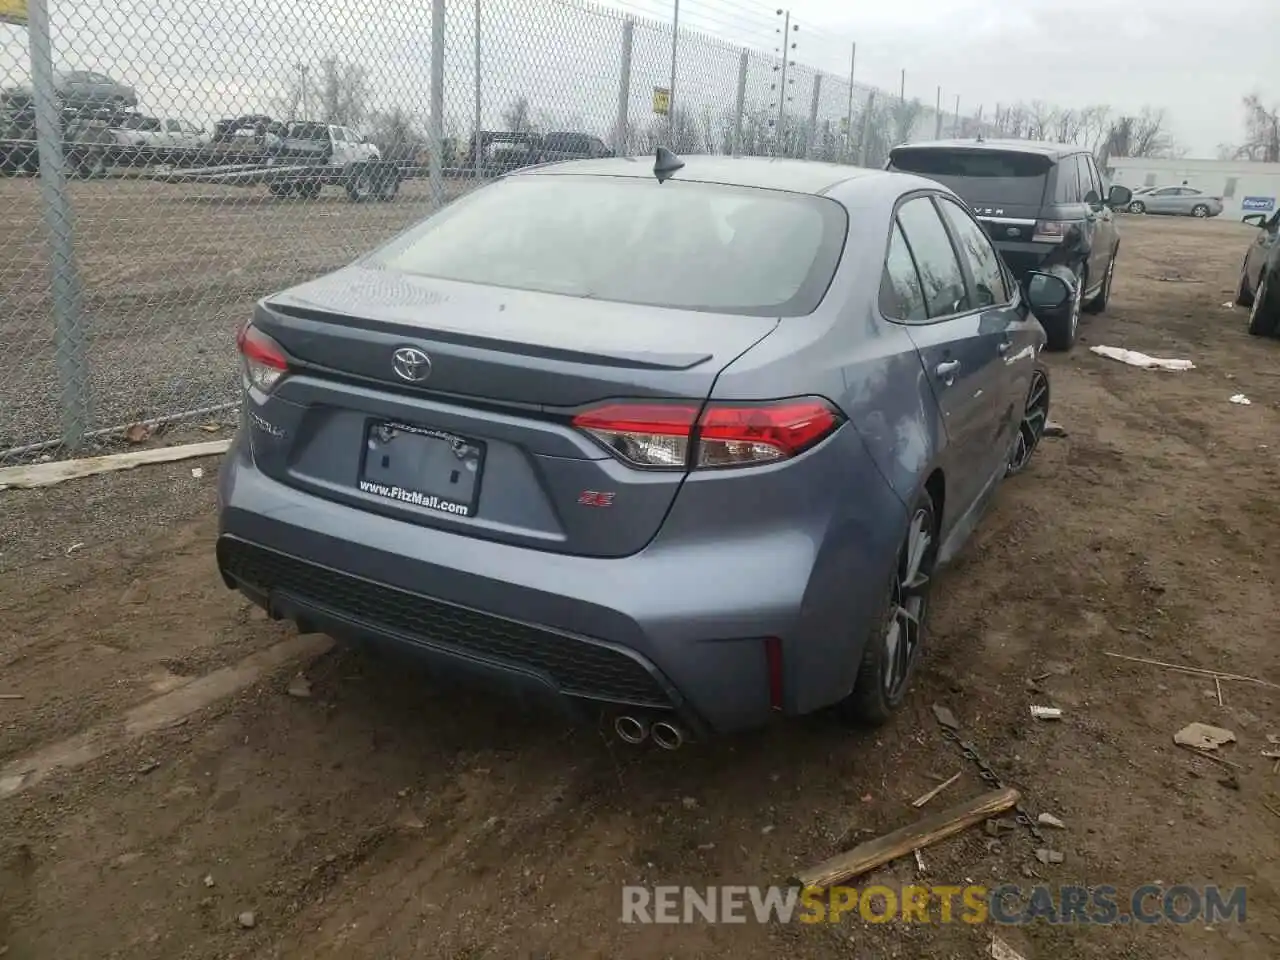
(264, 361)
(1051, 231)
(674, 436)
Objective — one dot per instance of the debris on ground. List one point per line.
(10, 696)
(211, 427)
(1202, 736)
(926, 797)
(1049, 820)
(73, 548)
(946, 717)
(999, 950)
(197, 472)
(885, 849)
(1241, 399)
(299, 687)
(1054, 429)
(1136, 359)
(689, 803)
(1197, 671)
(998, 827)
(208, 880)
(149, 767)
(49, 473)
(138, 433)
(1047, 856)
(920, 862)
(248, 920)
(1046, 713)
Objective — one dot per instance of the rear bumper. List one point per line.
(677, 628)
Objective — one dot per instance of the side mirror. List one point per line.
(1046, 291)
(1256, 219)
(1119, 197)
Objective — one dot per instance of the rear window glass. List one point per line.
(309, 131)
(980, 175)
(692, 246)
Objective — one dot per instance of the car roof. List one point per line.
(1038, 147)
(794, 176)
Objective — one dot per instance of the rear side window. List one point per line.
(979, 175)
(1069, 184)
(901, 296)
(940, 275)
(975, 247)
(687, 245)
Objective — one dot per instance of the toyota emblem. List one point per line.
(411, 364)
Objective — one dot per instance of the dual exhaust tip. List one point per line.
(635, 730)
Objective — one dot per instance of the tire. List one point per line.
(281, 190)
(1061, 331)
(1035, 414)
(1137, 206)
(91, 166)
(359, 186)
(1264, 318)
(1099, 303)
(887, 666)
(309, 190)
(1244, 295)
(1200, 211)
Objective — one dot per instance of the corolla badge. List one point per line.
(411, 364)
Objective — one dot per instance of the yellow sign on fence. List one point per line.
(661, 95)
(13, 11)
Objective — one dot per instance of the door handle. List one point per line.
(946, 371)
(1004, 347)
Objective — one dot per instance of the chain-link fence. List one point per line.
(165, 164)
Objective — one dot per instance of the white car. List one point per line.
(157, 132)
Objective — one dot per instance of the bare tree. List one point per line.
(1141, 135)
(397, 134)
(344, 91)
(906, 114)
(516, 116)
(1262, 131)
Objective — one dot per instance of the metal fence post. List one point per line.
(69, 339)
(848, 123)
(741, 108)
(478, 99)
(866, 127)
(624, 89)
(811, 134)
(937, 117)
(671, 91)
(435, 171)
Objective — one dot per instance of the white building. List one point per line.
(1244, 187)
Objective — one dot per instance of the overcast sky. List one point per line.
(1194, 57)
(207, 58)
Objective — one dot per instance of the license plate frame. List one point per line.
(380, 434)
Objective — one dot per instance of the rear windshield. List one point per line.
(980, 175)
(692, 246)
(308, 131)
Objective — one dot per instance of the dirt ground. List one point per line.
(157, 779)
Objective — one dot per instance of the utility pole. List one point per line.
(957, 131)
(302, 74)
(937, 113)
(902, 87)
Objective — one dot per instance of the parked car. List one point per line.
(163, 133)
(567, 145)
(694, 503)
(321, 154)
(79, 88)
(251, 129)
(1044, 204)
(1259, 287)
(1178, 201)
(501, 151)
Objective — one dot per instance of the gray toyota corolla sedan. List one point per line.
(680, 440)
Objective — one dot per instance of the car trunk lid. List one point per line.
(480, 442)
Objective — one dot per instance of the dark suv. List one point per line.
(1043, 205)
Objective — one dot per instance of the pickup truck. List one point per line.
(314, 155)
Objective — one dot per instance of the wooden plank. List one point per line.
(876, 853)
(47, 474)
